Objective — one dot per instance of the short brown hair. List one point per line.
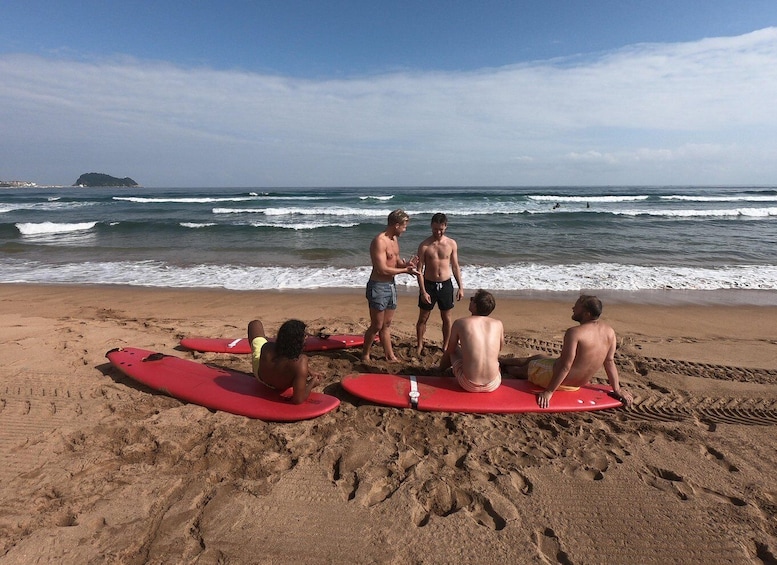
(484, 302)
(440, 218)
(591, 304)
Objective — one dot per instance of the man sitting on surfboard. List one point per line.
(473, 349)
(282, 364)
(586, 349)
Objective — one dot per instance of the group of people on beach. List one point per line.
(471, 345)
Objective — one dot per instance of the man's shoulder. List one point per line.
(591, 329)
(383, 238)
(494, 321)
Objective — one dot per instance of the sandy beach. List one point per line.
(99, 469)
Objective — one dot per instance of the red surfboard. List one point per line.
(241, 345)
(443, 394)
(213, 387)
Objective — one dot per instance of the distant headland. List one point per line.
(101, 179)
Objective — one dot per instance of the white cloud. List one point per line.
(704, 109)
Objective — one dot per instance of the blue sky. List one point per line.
(368, 93)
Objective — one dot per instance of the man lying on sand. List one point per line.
(282, 364)
(587, 347)
(473, 348)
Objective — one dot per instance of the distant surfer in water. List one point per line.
(587, 348)
(282, 364)
(381, 288)
(473, 349)
(438, 259)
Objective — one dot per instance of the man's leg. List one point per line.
(255, 329)
(420, 329)
(385, 335)
(376, 325)
(518, 367)
(447, 320)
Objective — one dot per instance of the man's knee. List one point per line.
(255, 328)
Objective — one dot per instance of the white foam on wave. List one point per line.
(48, 228)
(732, 198)
(197, 225)
(605, 198)
(719, 213)
(304, 226)
(508, 278)
(300, 211)
(183, 200)
(52, 204)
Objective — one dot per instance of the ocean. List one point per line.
(653, 243)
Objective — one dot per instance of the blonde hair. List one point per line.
(397, 217)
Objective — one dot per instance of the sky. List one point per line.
(390, 93)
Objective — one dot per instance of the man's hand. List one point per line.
(543, 398)
(624, 396)
(313, 380)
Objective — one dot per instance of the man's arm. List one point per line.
(611, 369)
(456, 269)
(561, 368)
(421, 268)
(303, 381)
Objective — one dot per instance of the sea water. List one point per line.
(689, 243)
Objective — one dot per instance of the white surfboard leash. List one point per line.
(414, 394)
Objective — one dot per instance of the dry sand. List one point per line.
(98, 469)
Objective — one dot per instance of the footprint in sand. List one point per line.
(521, 483)
(714, 455)
(667, 481)
(549, 547)
(483, 512)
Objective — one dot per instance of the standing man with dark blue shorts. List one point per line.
(438, 258)
(381, 288)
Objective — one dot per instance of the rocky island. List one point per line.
(101, 179)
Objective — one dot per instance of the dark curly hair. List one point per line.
(290, 339)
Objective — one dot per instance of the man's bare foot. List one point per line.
(366, 359)
(419, 351)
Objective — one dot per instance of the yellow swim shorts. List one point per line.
(541, 373)
(256, 352)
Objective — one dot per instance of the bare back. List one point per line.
(479, 340)
(588, 347)
(282, 373)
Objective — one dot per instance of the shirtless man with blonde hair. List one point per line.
(587, 348)
(473, 350)
(438, 258)
(381, 289)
